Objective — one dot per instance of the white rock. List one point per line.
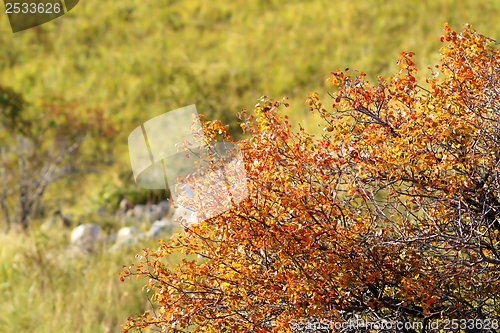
(125, 238)
(139, 211)
(159, 227)
(127, 234)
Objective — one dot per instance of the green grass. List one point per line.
(60, 294)
(138, 59)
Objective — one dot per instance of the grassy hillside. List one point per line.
(43, 289)
(138, 59)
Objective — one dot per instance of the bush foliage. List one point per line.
(392, 214)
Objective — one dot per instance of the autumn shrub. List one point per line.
(392, 214)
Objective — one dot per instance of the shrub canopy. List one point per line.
(391, 214)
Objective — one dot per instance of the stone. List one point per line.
(85, 235)
(159, 227)
(164, 206)
(127, 234)
(126, 237)
(125, 205)
(151, 213)
(138, 211)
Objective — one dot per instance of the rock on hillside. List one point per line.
(159, 228)
(85, 236)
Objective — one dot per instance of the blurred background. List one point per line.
(73, 89)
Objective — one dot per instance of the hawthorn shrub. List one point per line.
(391, 215)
